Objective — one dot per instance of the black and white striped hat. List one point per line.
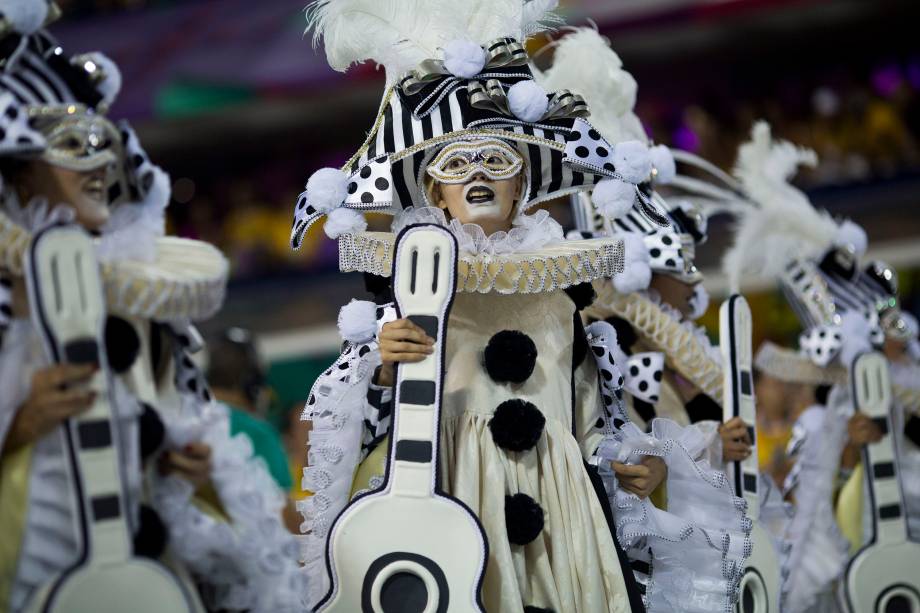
(422, 113)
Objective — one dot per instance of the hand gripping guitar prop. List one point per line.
(759, 591)
(409, 547)
(65, 293)
(883, 576)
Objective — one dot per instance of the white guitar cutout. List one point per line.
(759, 591)
(883, 576)
(66, 300)
(408, 547)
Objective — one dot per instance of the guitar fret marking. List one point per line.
(94, 434)
(417, 392)
(750, 483)
(889, 511)
(82, 351)
(428, 323)
(883, 470)
(413, 451)
(105, 507)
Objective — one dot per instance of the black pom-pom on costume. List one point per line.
(626, 336)
(516, 425)
(152, 535)
(121, 344)
(523, 518)
(151, 431)
(510, 357)
(582, 295)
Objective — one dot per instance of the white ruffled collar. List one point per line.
(529, 232)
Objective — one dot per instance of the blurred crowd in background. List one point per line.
(231, 99)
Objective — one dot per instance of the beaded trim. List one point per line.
(548, 270)
(681, 347)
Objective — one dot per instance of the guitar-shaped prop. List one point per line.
(65, 294)
(759, 591)
(883, 576)
(408, 546)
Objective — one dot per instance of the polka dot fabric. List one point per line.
(16, 135)
(821, 344)
(602, 339)
(371, 186)
(586, 148)
(665, 251)
(643, 376)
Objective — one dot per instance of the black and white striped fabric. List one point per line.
(562, 156)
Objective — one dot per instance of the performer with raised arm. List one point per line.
(467, 141)
(192, 496)
(847, 307)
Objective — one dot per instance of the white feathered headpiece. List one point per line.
(782, 225)
(399, 34)
(584, 62)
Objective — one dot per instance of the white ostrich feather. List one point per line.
(783, 225)
(399, 34)
(584, 63)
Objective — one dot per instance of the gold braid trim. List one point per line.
(682, 348)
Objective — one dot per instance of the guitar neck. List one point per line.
(885, 492)
(871, 389)
(738, 398)
(424, 282)
(94, 447)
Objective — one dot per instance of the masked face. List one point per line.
(478, 182)
(74, 169)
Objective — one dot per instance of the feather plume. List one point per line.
(539, 16)
(783, 225)
(584, 63)
(399, 34)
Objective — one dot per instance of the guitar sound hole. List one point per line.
(898, 604)
(404, 593)
(747, 600)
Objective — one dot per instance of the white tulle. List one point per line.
(818, 550)
(700, 542)
(529, 232)
(248, 562)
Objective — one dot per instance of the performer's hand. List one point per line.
(57, 393)
(641, 479)
(736, 442)
(862, 430)
(401, 341)
(192, 463)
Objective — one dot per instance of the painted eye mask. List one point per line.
(459, 162)
(80, 142)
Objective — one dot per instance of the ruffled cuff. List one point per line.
(695, 551)
(249, 563)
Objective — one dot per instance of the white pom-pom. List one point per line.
(854, 335)
(699, 302)
(358, 321)
(663, 163)
(613, 198)
(110, 85)
(24, 16)
(327, 189)
(464, 58)
(632, 161)
(637, 274)
(527, 101)
(344, 221)
(851, 235)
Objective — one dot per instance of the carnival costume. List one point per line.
(522, 407)
(230, 542)
(846, 307)
(688, 551)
